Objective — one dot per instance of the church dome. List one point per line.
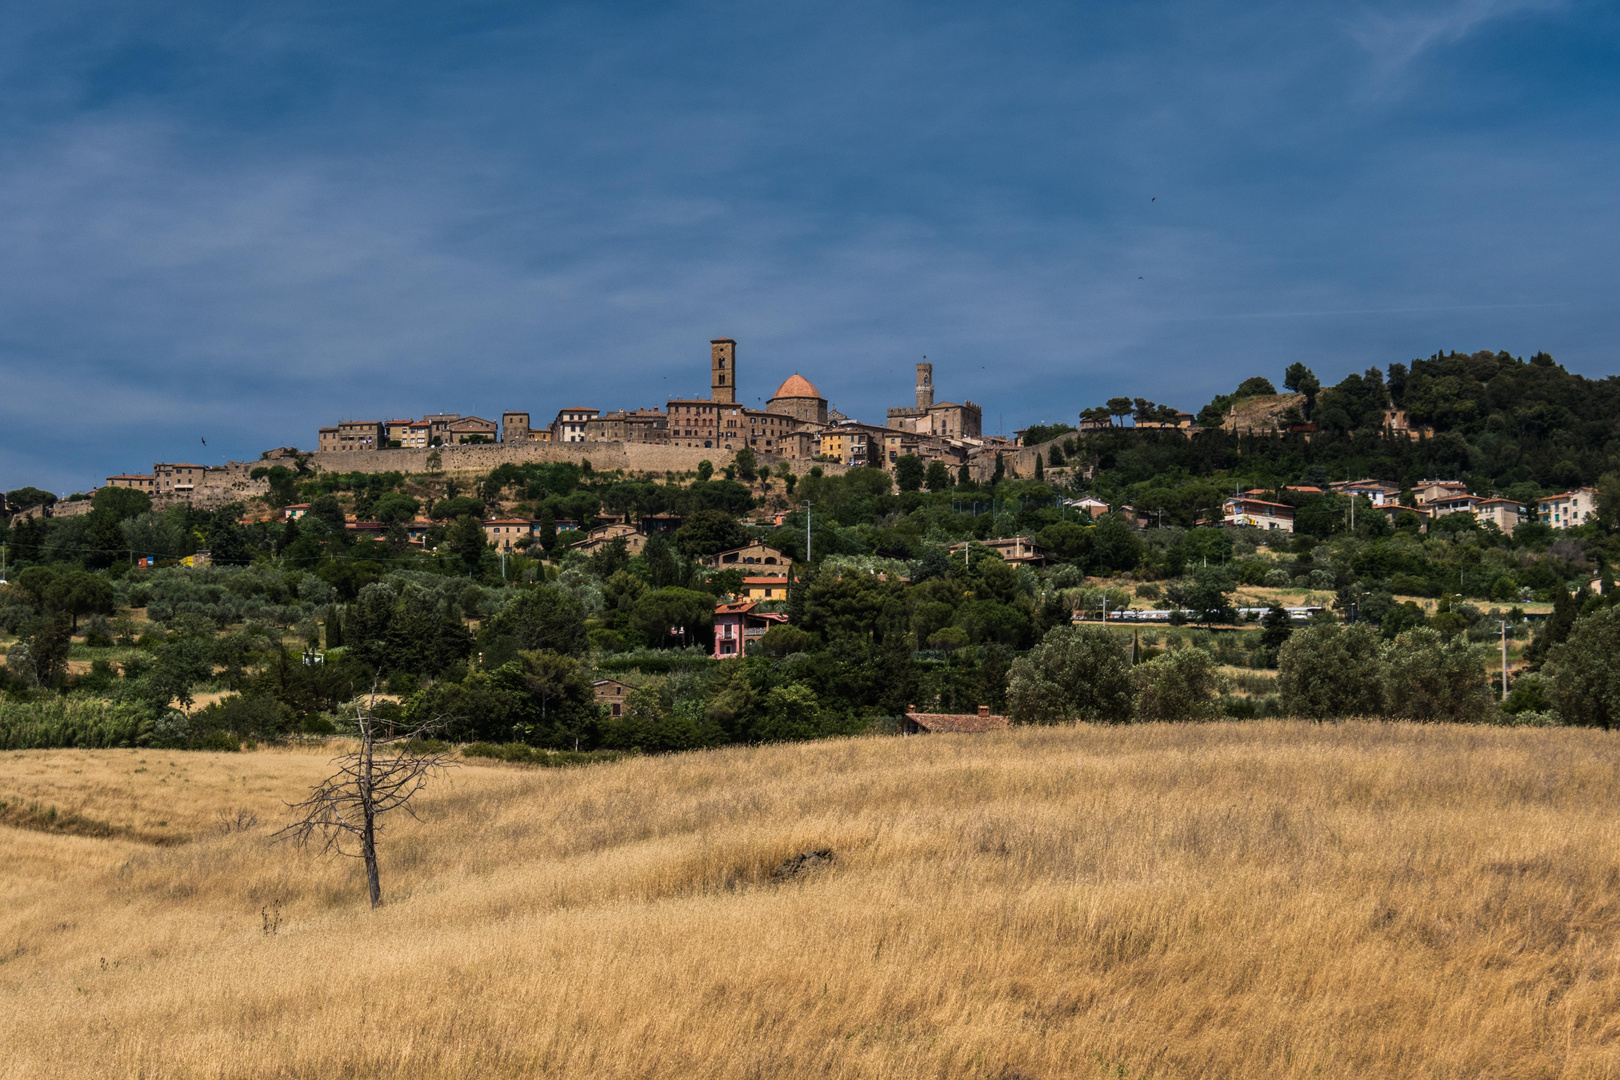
(796, 386)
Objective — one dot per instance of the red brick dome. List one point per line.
(796, 386)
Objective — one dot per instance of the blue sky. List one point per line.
(240, 222)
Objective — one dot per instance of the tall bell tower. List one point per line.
(925, 386)
(723, 370)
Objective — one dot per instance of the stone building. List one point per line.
(851, 443)
(629, 425)
(723, 371)
(177, 479)
(136, 481)
(514, 427)
(352, 435)
(944, 419)
(797, 397)
(439, 426)
(471, 430)
(694, 422)
(569, 427)
(406, 434)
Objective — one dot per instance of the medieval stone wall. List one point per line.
(646, 458)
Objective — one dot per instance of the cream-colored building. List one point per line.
(1505, 512)
(1568, 510)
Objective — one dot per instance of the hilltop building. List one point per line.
(946, 419)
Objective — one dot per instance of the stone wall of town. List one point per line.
(643, 458)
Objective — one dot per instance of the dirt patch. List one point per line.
(803, 862)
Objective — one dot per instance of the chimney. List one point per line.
(984, 710)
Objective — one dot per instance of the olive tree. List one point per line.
(1427, 677)
(1076, 673)
(1583, 676)
(1325, 670)
(1181, 684)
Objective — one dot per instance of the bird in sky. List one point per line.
(1154, 199)
(205, 441)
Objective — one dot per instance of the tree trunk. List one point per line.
(368, 835)
(368, 846)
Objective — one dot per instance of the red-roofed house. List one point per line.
(921, 723)
(737, 623)
(1258, 513)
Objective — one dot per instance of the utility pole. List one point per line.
(807, 533)
(1504, 660)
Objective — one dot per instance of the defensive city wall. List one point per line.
(648, 458)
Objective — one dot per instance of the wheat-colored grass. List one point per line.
(1261, 900)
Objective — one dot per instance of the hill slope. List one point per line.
(1259, 900)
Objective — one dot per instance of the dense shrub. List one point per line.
(71, 722)
(1076, 673)
(1182, 684)
(1427, 677)
(1325, 670)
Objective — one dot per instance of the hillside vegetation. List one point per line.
(1263, 900)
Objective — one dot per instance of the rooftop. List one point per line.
(796, 386)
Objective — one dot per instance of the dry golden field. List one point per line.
(1264, 900)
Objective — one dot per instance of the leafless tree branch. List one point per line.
(385, 774)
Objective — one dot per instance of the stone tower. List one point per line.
(723, 370)
(925, 386)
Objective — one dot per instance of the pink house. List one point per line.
(737, 623)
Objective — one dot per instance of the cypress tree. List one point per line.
(334, 627)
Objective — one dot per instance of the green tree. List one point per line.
(546, 617)
(1301, 380)
(747, 465)
(656, 613)
(1276, 628)
(334, 627)
(1326, 670)
(1076, 673)
(1429, 677)
(709, 532)
(395, 508)
(326, 508)
(548, 530)
(938, 477)
(705, 470)
(1178, 685)
(1584, 680)
(122, 503)
(562, 699)
(79, 592)
(910, 472)
(1207, 593)
(466, 540)
(1256, 386)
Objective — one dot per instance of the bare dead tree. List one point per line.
(383, 775)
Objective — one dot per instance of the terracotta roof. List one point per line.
(948, 722)
(796, 386)
(765, 580)
(736, 607)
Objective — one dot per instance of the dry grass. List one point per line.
(1260, 900)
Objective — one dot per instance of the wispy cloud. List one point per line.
(1396, 40)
